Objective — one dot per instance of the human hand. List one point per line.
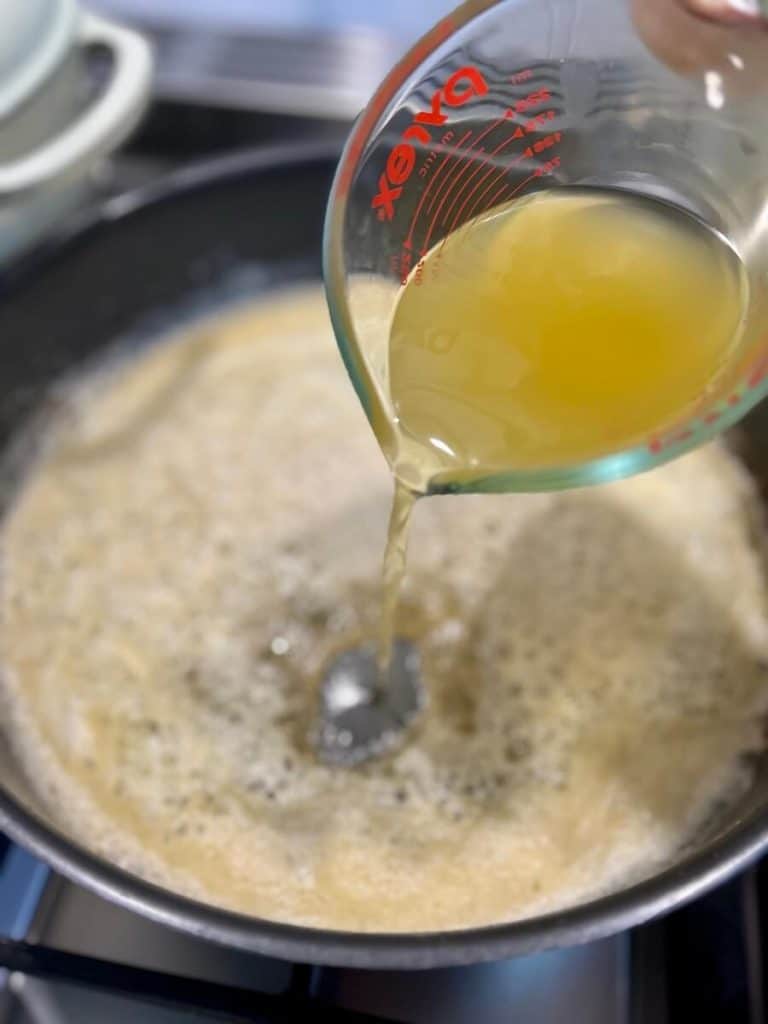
(728, 11)
(729, 37)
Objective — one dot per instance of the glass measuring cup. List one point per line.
(505, 98)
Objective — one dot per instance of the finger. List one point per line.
(732, 11)
(733, 45)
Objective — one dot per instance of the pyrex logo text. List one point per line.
(460, 87)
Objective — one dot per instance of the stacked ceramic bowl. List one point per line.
(53, 129)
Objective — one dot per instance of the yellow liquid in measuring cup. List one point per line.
(557, 329)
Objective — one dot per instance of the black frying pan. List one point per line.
(170, 247)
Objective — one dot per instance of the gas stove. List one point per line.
(69, 957)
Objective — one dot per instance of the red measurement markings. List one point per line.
(449, 186)
(460, 88)
(547, 168)
(430, 230)
(453, 155)
(523, 105)
(501, 191)
(518, 188)
(498, 196)
(756, 376)
(456, 172)
(456, 157)
(759, 372)
(491, 184)
(406, 262)
(419, 53)
(504, 188)
(658, 444)
(484, 163)
(546, 143)
(533, 99)
(540, 172)
(508, 113)
(531, 126)
(538, 122)
(521, 76)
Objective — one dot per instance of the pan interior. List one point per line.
(195, 528)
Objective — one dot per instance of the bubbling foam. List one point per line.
(204, 529)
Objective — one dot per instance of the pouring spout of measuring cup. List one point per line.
(504, 103)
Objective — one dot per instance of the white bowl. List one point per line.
(49, 138)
